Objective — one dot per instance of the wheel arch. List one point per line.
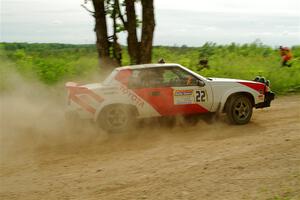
(231, 95)
(133, 108)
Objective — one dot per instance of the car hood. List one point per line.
(229, 80)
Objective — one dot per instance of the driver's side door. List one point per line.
(190, 94)
(174, 92)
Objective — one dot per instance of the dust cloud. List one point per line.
(32, 120)
(32, 117)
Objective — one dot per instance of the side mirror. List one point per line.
(200, 83)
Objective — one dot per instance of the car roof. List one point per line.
(145, 66)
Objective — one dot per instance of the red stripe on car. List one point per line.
(75, 90)
(162, 100)
(259, 87)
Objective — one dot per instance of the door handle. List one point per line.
(155, 93)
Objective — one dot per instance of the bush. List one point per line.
(56, 63)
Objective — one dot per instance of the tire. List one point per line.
(239, 109)
(117, 118)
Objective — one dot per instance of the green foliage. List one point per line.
(51, 63)
(238, 61)
(57, 63)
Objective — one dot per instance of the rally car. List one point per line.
(163, 90)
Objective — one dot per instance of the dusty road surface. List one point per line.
(260, 160)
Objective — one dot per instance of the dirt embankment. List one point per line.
(41, 158)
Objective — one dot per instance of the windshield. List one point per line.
(194, 73)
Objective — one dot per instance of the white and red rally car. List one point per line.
(154, 90)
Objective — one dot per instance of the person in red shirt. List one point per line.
(286, 56)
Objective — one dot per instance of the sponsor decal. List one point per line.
(183, 92)
(132, 96)
(183, 97)
(189, 96)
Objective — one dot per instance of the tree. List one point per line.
(109, 50)
(131, 27)
(102, 42)
(147, 30)
(140, 52)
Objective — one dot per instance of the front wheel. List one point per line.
(117, 118)
(239, 110)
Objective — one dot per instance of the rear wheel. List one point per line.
(239, 109)
(117, 118)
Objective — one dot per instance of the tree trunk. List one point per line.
(102, 42)
(117, 50)
(139, 52)
(132, 40)
(147, 31)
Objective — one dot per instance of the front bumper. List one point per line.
(269, 96)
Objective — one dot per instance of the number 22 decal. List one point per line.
(200, 96)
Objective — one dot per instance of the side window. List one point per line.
(154, 78)
(180, 78)
(161, 77)
(135, 80)
(146, 78)
(169, 76)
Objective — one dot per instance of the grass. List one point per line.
(53, 64)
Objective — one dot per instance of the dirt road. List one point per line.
(260, 160)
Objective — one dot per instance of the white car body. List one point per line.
(201, 95)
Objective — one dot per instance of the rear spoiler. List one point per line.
(74, 92)
(72, 84)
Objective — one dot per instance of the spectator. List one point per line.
(286, 56)
(204, 64)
